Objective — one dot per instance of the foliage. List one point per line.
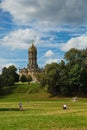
(1, 82)
(29, 78)
(67, 78)
(41, 77)
(23, 78)
(77, 71)
(8, 77)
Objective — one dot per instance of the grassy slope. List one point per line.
(25, 92)
(40, 111)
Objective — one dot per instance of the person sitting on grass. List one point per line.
(64, 106)
(20, 105)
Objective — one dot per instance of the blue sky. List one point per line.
(55, 25)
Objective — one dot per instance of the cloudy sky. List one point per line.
(55, 25)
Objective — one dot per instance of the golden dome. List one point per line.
(32, 48)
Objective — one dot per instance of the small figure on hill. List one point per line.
(74, 99)
(20, 105)
(64, 106)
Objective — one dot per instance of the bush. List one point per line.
(23, 78)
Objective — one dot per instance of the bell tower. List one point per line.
(32, 58)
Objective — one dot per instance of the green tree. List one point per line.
(9, 75)
(23, 78)
(1, 82)
(52, 72)
(83, 82)
(13, 72)
(16, 77)
(42, 78)
(77, 71)
(63, 77)
(29, 78)
(73, 56)
(67, 78)
(74, 80)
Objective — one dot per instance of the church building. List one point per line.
(32, 67)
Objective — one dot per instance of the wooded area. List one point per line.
(67, 78)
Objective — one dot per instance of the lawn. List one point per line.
(41, 112)
(44, 115)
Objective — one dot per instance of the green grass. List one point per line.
(40, 112)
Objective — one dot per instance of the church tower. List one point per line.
(32, 58)
(32, 67)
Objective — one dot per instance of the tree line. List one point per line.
(9, 76)
(67, 78)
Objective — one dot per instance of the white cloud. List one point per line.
(49, 53)
(42, 17)
(9, 62)
(52, 61)
(22, 38)
(5, 63)
(53, 11)
(77, 42)
(19, 39)
(43, 21)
